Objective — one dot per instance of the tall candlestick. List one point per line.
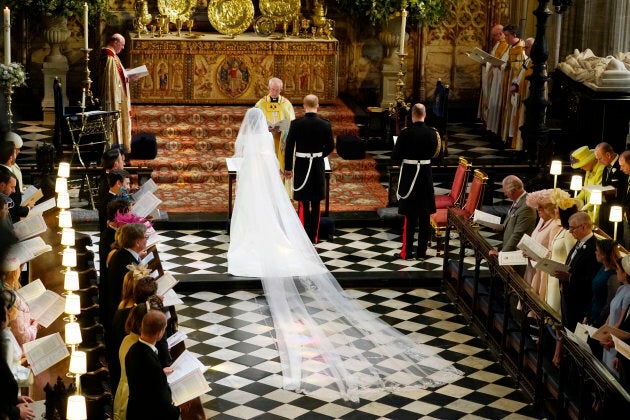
(403, 23)
(85, 24)
(7, 36)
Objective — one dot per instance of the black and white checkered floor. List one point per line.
(231, 331)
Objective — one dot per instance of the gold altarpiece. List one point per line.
(215, 69)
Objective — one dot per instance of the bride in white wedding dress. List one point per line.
(329, 345)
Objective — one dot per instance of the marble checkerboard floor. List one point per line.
(230, 329)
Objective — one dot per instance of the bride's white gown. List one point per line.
(329, 345)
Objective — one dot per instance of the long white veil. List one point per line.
(329, 345)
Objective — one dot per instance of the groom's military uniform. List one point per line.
(415, 147)
(312, 139)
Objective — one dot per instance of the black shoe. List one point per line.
(397, 256)
(422, 257)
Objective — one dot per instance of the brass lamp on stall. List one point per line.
(78, 367)
(76, 409)
(70, 280)
(65, 219)
(595, 199)
(61, 185)
(63, 171)
(555, 169)
(616, 216)
(73, 307)
(576, 185)
(73, 334)
(63, 200)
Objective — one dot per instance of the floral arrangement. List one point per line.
(57, 7)
(12, 75)
(377, 12)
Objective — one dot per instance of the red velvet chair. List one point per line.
(455, 197)
(473, 202)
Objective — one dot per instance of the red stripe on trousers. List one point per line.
(403, 251)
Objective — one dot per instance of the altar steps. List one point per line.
(194, 141)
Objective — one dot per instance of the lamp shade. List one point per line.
(67, 237)
(65, 219)
(63, 170)
(73, 304)
(616, 214)
(61, 185)
(576, 183)
(78, 362)
(596, 197)
(73, 333)
(71, 280)
(69, 257)
(556, 167)
(76, 409)
(63, 200)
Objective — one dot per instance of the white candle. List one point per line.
(83, 99)
(7, 36)
(85, 24)
(402, 31)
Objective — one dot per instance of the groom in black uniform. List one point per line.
(414, 148)
(312, 139)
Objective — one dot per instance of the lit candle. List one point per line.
(7, 36)
(85, 24)
(402, 31)
(83, 99)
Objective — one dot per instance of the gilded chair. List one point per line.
(455, 197)
(473, 202)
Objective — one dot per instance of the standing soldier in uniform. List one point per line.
(312, 139)
(414, 149)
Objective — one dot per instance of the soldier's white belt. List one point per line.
(415, 162)
(308, 155)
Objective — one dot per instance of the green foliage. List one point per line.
(41, 8)
(377, 12)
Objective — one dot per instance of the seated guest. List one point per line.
(7, 160)
(132, 327)
(112, 159)
(618, 312)
(604, 285)
(12, 406)
(131, 243)
(24, 327)
(12, 351)
(149, 392)
(118, 181)
(584, 158)
(137, 287)
(107, 238)
(7, 235)
(575, 285)
(546, 229)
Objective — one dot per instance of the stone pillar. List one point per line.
(55, 65)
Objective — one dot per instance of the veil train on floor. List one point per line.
(329, 345)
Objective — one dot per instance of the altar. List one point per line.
(208, 68)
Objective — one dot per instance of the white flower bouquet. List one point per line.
(12, 75)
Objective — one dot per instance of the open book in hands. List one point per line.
(487, 219)
(282, 125)
(539, 254)
(187, 380)
(482, 57)
(44, 305)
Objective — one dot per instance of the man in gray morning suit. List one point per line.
(520, 219)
